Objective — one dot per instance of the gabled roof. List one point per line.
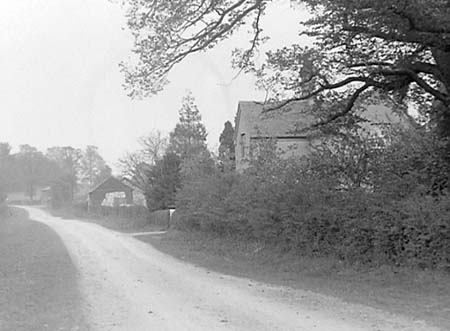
(128, 182)
(259, 119)
(111, 184)
(265, 119)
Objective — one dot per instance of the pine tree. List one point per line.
(188, 139)
(226, 147)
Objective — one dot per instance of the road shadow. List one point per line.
(38, 280)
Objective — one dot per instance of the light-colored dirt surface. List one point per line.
(128, 285)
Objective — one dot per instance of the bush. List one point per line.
(308, 212)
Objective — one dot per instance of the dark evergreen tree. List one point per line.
(188, 139)
(226, 147)
(164, 179)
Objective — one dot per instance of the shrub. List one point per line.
(389, 220)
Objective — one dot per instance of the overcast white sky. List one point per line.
(60, 83)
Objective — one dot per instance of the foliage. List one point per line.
(397, 163)
(28, 170)
(159, 167)
(399, 48)
(188, 138)
(93, 167)
(202, 202)
(68, 160)
(226, 147)
(136, 166)
(6, 168)
(164, 180)
(375, 200)
(33, 169)
(350, 159)
(166, 32)
(366, 214)
(187, 145)
(414, 161)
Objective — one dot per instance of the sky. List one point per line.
(60, 82)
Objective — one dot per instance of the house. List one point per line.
(111, 191)
(257, 122)
(254, 124)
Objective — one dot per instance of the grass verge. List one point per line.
(424, 295)
(38, 282)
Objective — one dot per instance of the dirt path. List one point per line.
(128, 285)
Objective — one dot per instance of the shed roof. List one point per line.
(111, 184)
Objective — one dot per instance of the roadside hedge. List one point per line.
(280, 203)
(311, 219)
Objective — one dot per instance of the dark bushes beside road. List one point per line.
(297, 207)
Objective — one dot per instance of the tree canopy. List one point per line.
(166, 32)
(5, 168)
(93, 167)
(399, 48)
(226, 147)
(32, 169)
(68, 160)
(188, 138)
(137, 166)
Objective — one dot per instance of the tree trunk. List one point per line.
(441, 114)
(443, 63)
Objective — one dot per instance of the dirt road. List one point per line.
(128, 285)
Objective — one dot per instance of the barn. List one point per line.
(123, 193)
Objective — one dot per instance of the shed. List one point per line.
(110, 185)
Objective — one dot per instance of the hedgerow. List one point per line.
(291, 204)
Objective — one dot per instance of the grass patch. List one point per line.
(422, 294)
(38, 282)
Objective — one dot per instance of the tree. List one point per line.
(93, 167)
(226, 147)
(69, 161)
(349, 160)
(399, 48)
(6, 165)
(135, 166)
(166, 32)
(33, 169)
(165, 179)
(5, 150)
(188, 139)
(153, 146)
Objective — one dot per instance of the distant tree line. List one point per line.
(66, 170)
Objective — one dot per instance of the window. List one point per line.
(242, 143)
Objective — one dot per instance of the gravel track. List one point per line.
(128, 285)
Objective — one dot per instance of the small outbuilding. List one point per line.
(110, 185)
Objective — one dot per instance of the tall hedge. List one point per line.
(289, 204)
